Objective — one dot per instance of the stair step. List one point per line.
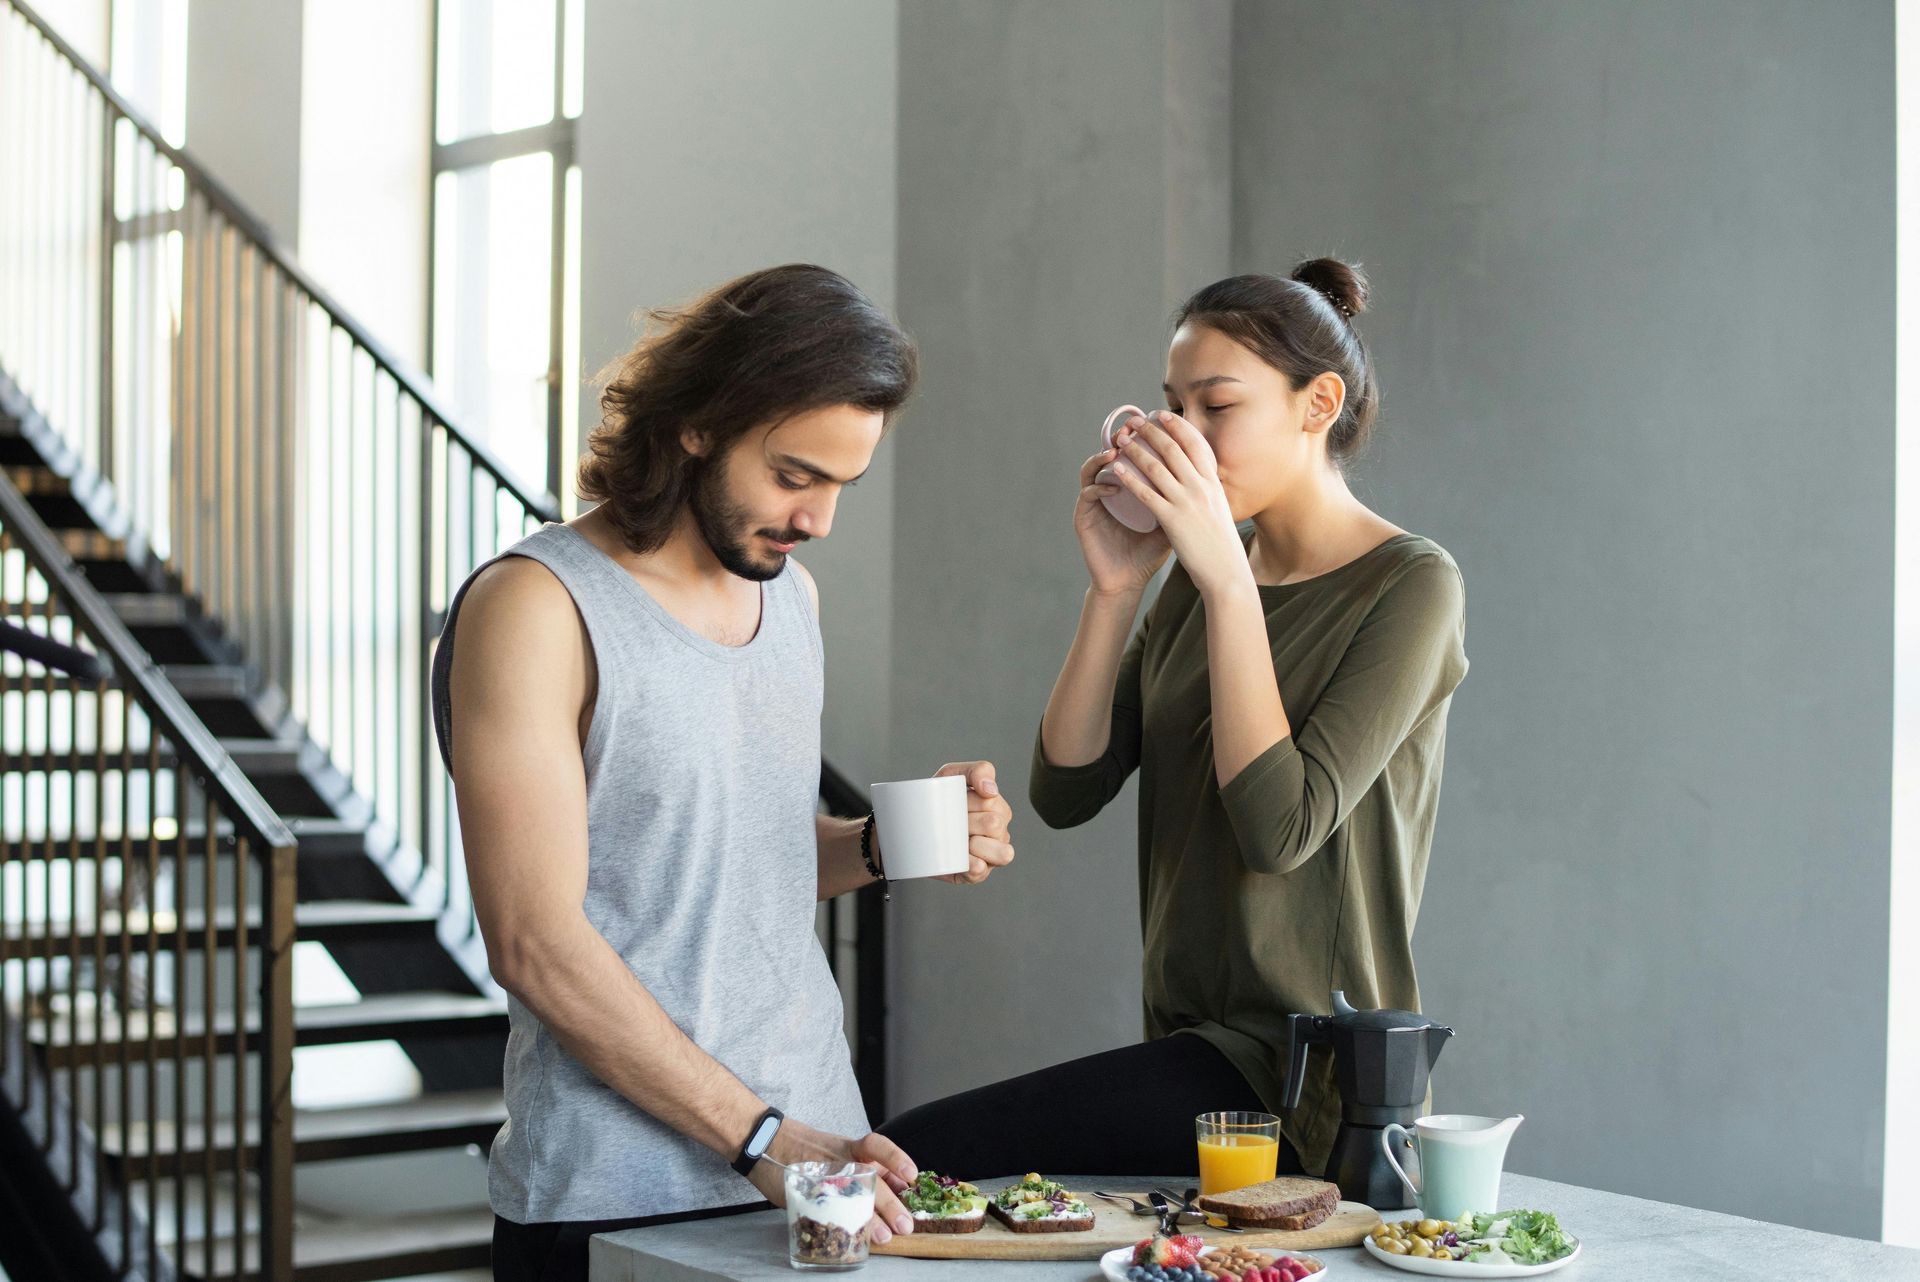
(328, 837)
(91, 545)
(148, 609)
(325, 922)
(362, 1250)
(318, 839)
(265, 756)
(452, 1119)
(380, 1017)
(208, 680)
(37, 478)
(255, 757)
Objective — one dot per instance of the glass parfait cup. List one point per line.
(828, 1207)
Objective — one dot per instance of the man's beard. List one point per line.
(723, 524)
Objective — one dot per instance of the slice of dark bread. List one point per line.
(948, 1223)
(1291, 1202)
(1062, 1224)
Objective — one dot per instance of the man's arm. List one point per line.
(519, 683)
(839, 866)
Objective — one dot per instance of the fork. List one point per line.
(1138, 1208)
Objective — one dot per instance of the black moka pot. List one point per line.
(1381, 1061)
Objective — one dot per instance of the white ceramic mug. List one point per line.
(1125, 508)
(922, 826)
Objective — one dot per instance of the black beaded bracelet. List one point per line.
(873, 866)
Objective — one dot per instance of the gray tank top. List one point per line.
(703, 767)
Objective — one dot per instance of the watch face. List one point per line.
(763, 1135)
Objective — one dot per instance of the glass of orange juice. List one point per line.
(1236, 1149)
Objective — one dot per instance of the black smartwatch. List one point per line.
(758, 1140)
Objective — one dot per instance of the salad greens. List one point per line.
(1513, 1237)
(933, 1194)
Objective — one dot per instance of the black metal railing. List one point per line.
(270, 457)
(146, 936)
(250, 445)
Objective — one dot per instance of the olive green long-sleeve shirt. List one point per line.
(1303, 874)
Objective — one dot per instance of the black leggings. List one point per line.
(556, 1251)
(1122, 1112)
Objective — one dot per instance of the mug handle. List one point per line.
(1387, 1138)
(1124, 412)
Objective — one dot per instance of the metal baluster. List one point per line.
(209, 1041)
(7, 751)
(100, 960)
(241, 1004)
(76, 1054)
(180, 1003)
(150, 1011)
(109, 222)
(276, 1094)
(49, 844)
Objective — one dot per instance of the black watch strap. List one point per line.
(759, 1139)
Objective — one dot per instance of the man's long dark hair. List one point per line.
(765, 347)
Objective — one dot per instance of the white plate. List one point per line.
(1464, 1269)
(1114, 1264)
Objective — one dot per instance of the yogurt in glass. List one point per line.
(828, 1207)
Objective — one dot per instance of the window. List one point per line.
(503, 323)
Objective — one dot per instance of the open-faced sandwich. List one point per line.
(942, 1204)
(1290, 1202)
(1035, 1205)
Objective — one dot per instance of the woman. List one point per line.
(1285, 701)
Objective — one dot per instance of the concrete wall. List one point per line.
(1635, 297)
(1051, 211)
(1902, 1184)
(716, 139)
(243, 103)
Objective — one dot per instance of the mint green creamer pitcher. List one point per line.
(1461, 1157)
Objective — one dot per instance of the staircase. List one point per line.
(378, 931)
(245, 515)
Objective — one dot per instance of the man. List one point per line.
(631, 716)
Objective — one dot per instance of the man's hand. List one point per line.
(988, 845)
(798, 1142)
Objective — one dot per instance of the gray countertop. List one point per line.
(1621, 1237)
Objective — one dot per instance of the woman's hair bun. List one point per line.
(1343, 284)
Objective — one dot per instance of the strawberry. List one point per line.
(1163, 1252)
(1143, 1251)
(1180, 1256)
(1191, 1241)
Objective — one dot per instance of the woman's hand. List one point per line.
(1120, 561)
(1169, 467)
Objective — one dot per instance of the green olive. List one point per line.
(1420, 1249)
(1429, 1228)
(1394, 1246)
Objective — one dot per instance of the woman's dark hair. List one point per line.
(1303, 327)
(765, 347)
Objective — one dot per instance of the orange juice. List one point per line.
(1229, 1162)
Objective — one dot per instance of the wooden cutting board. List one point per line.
(1115, 1226)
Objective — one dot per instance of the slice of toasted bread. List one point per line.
(1292, 1202)
(924, 1223)
(1051, 1224)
